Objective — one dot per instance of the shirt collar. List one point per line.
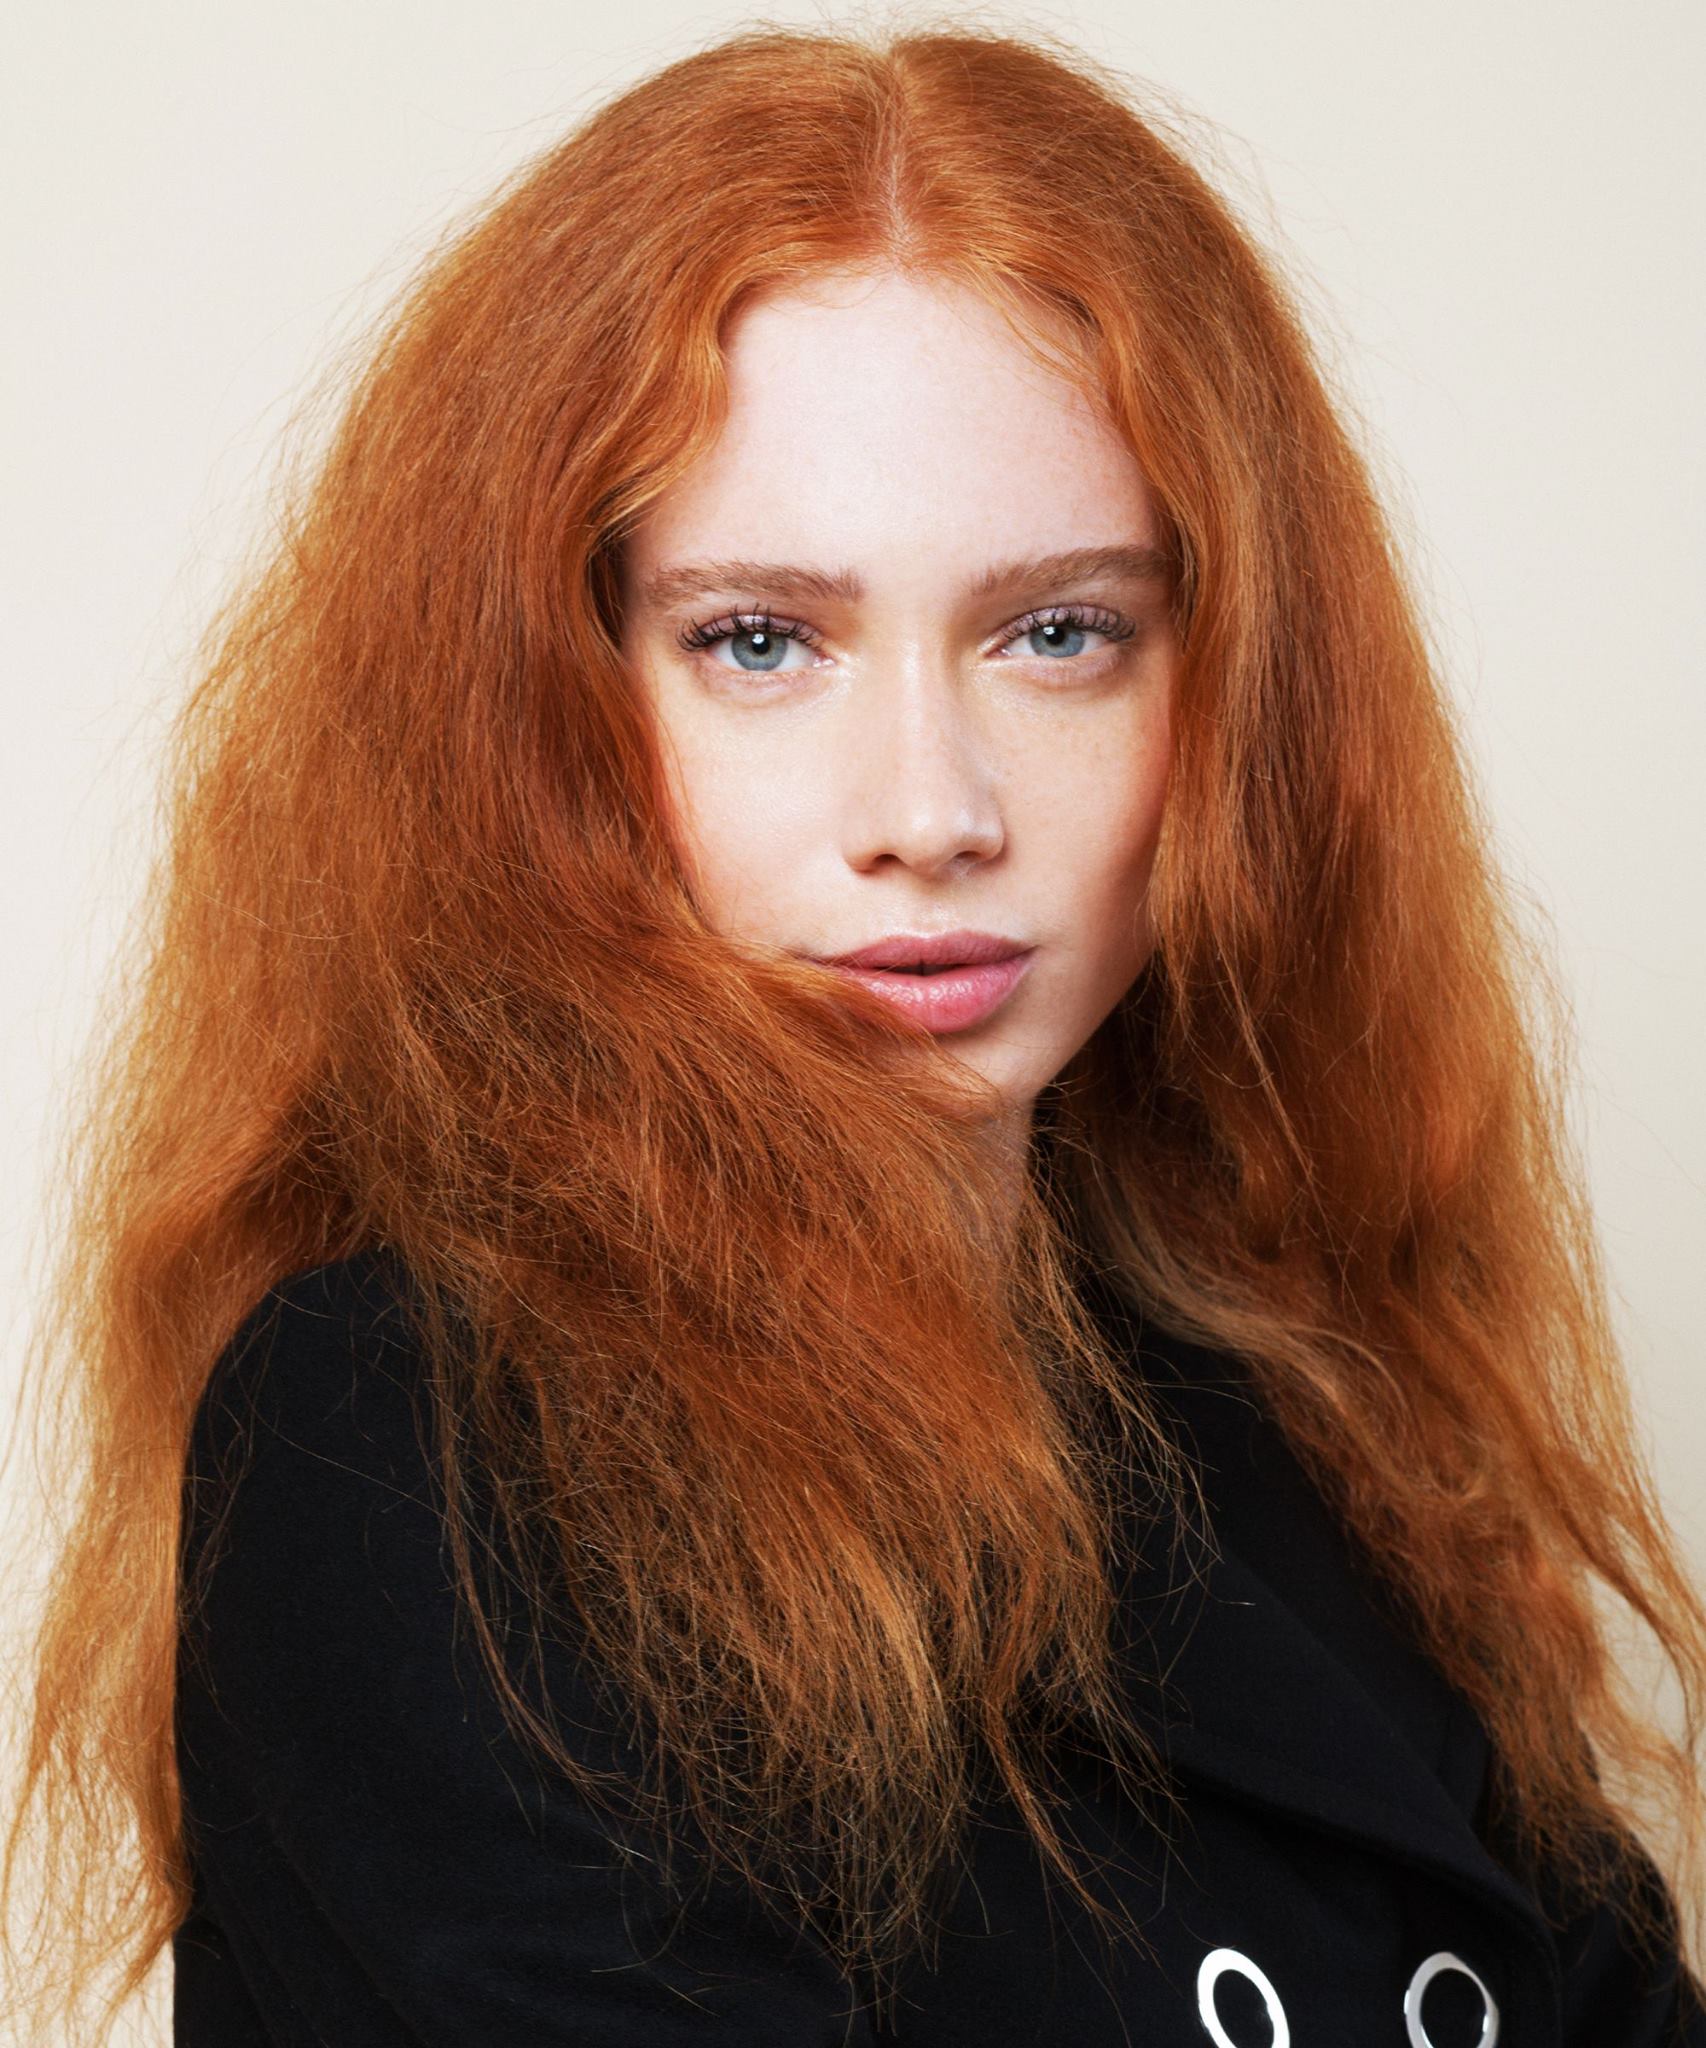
(1258, 1657)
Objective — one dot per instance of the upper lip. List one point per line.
(930, 949)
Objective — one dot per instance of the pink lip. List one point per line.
(944, 999)
(930, 949)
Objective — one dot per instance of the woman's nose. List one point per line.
(920, 786)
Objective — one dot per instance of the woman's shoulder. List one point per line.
(322, 1319)
(310, 1472)
(376, 1851)
(326, 1363)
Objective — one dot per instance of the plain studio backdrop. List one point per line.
(1494, 208)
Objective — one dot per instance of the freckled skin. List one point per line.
(917, 766)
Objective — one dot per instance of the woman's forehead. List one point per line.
(870, 431)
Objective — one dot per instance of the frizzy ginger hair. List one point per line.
(420, 970)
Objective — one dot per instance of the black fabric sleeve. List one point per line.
(377, 1858)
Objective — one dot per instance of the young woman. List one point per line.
(829, 1288)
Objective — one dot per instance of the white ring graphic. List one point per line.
(1425, 1974)
(1214, 1966)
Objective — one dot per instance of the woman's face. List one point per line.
(907, 639)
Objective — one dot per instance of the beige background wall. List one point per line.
(1498, 202)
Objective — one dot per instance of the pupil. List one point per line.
(754, 647)
(1056, 632)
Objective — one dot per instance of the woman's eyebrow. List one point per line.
(680, 581)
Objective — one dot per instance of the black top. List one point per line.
(379, 1864)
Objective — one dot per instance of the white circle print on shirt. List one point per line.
(1214, 1966)
(1221, 1962)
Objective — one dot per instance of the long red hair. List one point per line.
(421, 970)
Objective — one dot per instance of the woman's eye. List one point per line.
(758, 646)
(1065, 632)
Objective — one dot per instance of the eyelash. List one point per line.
(1089, 618)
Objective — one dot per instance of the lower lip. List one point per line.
(951, 998)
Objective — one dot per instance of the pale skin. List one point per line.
(915, 750)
